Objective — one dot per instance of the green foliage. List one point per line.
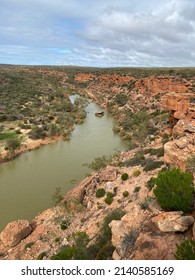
(109, 198)
(125, 193)
(136, 160)
(29, 245)
(57, 196)
(175, 190)
(121, 99)
(153, 164)
(99, 162)
(151, 183)
(7, 135)
(37, 133)
(124, 176)
(13, 144)
(129, 240)
(64, 224)
(136, 173)
(186, 250)
(103, 249)
(41, 256)
(100, 192)
(158, 152)
(137, 189)
(77, 251)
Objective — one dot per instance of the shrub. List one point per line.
(57, 196)
(103, 249)
(157, 152)
(124, 176)
(153, 165)
(29, 245)
(129, 240)
(136, 173)
(41, 256)
(150, 183)
(64, 224)
(175, 190)
(185, 250)
(100, 192)
(125, 193)
(136, 160)
(137, 189)
(76, 251)
(109, 198)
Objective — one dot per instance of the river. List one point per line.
(28, 182)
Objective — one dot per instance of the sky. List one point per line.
(101, 33)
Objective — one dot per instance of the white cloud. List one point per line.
(99, 33)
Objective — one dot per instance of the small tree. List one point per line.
(186, 250)
(12, 144)
(175, 190)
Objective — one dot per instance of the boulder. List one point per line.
(181, 143)
(108, 186)
(14, 232)
(173, 221)
(109, 174)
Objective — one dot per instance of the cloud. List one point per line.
(103, 33)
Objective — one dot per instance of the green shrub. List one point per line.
(129, 240)
(124, 176)
(100, 192)
(137, 189)
(175, 190)
(136, 173)
(150, 183)
(153, 165)
(185, 250)
(41, 256)
(29, 245)
(103, 249)
(109, 198)
(64, 224)
(157, 152)
(77, 251)
(136, 160)
(125, 193)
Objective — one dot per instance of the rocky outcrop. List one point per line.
(173, 221)
(182, 117)
(14, 232)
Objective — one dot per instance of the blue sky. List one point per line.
(103, 33)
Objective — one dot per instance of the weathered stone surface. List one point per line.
(149, 247)
(109, 174)
(109, 186)
(14, 232)
(176, 101)
(173, 221)
(181, 143)
(193, 231)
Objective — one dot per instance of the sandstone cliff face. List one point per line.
(182, 117)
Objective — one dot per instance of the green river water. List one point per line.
(28, 182)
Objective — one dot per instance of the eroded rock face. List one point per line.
(173, 221)
(179, 150)
(14, 232)
(182, 117)
(176, 101)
